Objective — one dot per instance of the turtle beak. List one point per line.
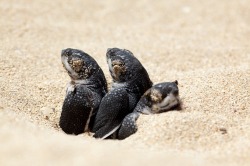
(66, 52)
(146, 111)
(175, 92)
(63, 52)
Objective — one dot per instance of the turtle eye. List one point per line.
(70, 61)
(175, 92)
(117, 63)
(77, 64)
(156, 96)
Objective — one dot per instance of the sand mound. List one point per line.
(204, 45)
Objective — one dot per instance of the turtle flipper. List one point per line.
(113, 108)
(107, 130)
(76, 111)
(128, 126)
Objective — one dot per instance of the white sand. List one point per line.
(202, 44)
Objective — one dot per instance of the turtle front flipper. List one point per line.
(112, 110)
(128, 126)
(76, 111)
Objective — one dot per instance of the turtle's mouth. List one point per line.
(68, 68)
(110, 66)
(146, 110)
(166, 104)
(116, 68)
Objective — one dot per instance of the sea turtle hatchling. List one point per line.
(161, 97)
(130, 81)
(84, 92)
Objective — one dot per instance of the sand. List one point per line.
(202, 44)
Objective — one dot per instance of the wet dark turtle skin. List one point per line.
(130, 81)
(160, 98)
(84, 92)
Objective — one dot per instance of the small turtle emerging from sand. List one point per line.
(130, 81)
(84, 92)
(161, 97)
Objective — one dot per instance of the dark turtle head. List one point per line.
(123, 65)
(161, 97)
(78, 64)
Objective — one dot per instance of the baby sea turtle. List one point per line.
(130, 81)
(84, 92)
(161, 97)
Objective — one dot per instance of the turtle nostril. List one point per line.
(175, 92)
(66, 52)
(109, 52)
(63, 51)
(112, 51)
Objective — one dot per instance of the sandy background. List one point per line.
(203, 44)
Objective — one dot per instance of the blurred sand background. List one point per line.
(205, 45)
